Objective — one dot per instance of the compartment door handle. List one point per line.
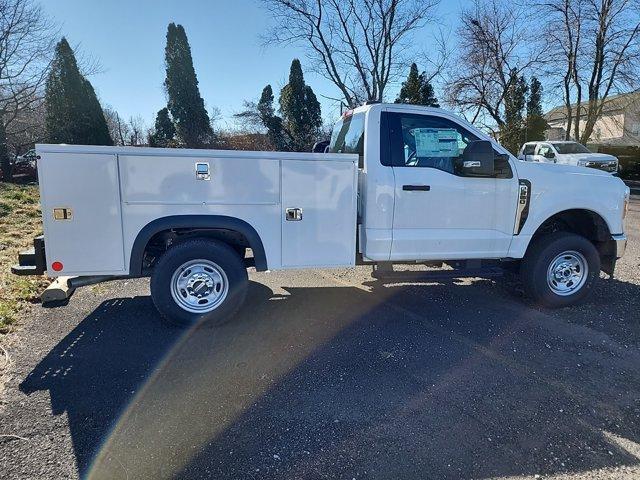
(293, 214)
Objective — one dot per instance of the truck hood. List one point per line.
(560, 169)
(591, 157)
(556, 187)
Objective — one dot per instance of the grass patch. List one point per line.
(19, 222)
(5, 209)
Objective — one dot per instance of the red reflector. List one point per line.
(57, 266)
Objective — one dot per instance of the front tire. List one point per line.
(199, 280)
(560, 269)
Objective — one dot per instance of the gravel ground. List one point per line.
(332, 375)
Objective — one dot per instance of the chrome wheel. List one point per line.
(567, 273)
(199, 286)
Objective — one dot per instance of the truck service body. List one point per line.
(399, 184)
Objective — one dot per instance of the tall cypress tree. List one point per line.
(164, 131)
(271, 121)
(512, 133)
(73, 112)
(185, 103)
(536, 123)
(417, 90)
(300, 110)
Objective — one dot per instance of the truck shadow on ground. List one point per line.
(444, 381)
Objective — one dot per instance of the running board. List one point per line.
(437, 275)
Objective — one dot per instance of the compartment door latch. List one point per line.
(293, 214)
(62, 214)
(202, 171)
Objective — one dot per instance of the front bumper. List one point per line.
(607, 166)
(621, 244)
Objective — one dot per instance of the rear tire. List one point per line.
(199, 280)
(560, 269)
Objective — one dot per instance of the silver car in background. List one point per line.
(567, 153)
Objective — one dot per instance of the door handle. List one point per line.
(419, 188)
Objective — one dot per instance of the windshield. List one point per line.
(348, 135)
(570, 147)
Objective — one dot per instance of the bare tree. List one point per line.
(118, 128)
(27, 127)
(613, 54)
(495, 45)
(26, 40)
(564, 28)
(356, 44)
(137, 131)
(126, 133)
(597, 46)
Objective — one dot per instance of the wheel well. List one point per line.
(165, 239)
(581, 222)
(156, 237)
(587, 224)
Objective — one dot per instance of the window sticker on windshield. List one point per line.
(436, 142)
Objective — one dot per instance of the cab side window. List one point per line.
(423, 141)
(427, 142)
(348, 137)
(544, 149)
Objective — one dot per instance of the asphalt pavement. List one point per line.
(330, 374)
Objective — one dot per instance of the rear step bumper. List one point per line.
(32, 262)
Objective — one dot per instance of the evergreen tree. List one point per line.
(300, 111)
(98, 134)
(73, 112)
(265, 104)
(271, 121)
(536, 123)
(512, 132)
(164, 131)
(417, 90)
(185, 103)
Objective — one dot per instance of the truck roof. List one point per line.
(549, 141)
(398, 107)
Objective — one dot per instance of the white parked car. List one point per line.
(567, 153)
(399, 184)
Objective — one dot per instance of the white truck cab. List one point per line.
(567, 153)
(398, 184)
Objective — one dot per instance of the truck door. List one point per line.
(440, 213)
(544, 153)
(319, 212)
(80, 196)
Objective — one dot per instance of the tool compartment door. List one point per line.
(318, 213)
(86, 186)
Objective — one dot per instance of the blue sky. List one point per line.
(232, 64)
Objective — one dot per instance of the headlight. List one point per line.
(582, 163)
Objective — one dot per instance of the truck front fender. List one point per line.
(208, 222)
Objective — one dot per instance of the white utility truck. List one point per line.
(398, 184)
(567, 153)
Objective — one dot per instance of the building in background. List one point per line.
(619, 124)
(616, 132)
